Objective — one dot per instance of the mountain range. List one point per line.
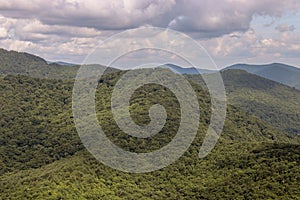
(281, 73)
(285, 74)
(13, 62)
(42, 157)
(191, 70)
(62, 63)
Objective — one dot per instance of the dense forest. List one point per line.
(272, 102)
(42, 156)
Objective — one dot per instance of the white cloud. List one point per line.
(214, 17)
(233, 45)
(253, 47)
(3, 32)
(71, 28)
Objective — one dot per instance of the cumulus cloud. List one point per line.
(234, 45)
(3, 32)
(218, 17)
(115, 14)
(254, 47)
(34, 30)
(214, 17)
(70, 28)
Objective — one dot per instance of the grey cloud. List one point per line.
(199, 17)
(33, 30)
(219, 17)
(112, 15)
(285, 28)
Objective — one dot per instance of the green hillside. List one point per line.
(41, 156)
(12, 62)
(21, 63)
(278, 72)
(231, 171)
(272, 102)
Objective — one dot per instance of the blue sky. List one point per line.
(232, 31)
(265, 25)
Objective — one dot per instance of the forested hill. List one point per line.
(12, 62)
(21, 63)
(272, 102)
(41, 156)
(281, 73)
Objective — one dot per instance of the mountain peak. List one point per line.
(190, 70)
(279, 72)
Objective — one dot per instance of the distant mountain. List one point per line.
(278, 72)
(62, 63)
(179, 70)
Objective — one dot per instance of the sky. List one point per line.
(232, 31)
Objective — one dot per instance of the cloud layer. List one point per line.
(214, 17)
(74, 26)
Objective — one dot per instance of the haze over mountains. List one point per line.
(179, 70)
(62, 63)
(281, 73)
(278, 72)
(13, 62)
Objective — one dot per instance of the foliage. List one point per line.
(41, 156)
(272, 102)
(231, 171)
(21, 63)
(278, 72)
(12, 62)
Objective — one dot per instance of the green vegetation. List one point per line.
(21, 63)
(272, 102)
(12, 62)
(35, 122)
(41, 156)
(231, 171)
(278, 72)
